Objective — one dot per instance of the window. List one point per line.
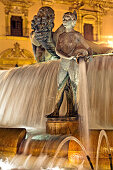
(88, 32)
(16, 26)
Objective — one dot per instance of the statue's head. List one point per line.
(69, 20)
(46, 12)
(44, 20)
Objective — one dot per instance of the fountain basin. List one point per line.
(44, 144)
(10, 140)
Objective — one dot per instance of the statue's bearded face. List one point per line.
(68, 21)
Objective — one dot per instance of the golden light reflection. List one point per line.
(110, 43)
(75, 157)
(108, 40)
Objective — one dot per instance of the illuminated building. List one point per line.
(94, 22)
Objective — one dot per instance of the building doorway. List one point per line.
(88, 32)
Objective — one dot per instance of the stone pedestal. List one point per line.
(62, 126)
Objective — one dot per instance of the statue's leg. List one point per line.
(61, 81)
(74, 90)
(74, 77)
(70, 101)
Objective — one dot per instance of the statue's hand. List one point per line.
(79, 58)
(80, 54)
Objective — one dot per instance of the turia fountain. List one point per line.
(34, 133)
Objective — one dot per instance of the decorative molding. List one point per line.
(47, 2)
(106, 4)
(16, 52)
(22, 3)
(16, 10)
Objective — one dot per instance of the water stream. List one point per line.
(63, 142)
(100, 91)
(28, 93)
(101, 135)
(83, 104)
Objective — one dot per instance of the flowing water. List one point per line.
(28, 93)
(100, 88)
(101, 135)
(45, 161)
(45, 157)
(63, 142)
(83, 104)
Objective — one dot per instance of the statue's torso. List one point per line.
(69, 41)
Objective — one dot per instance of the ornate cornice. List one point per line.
(21, 3)
(96, 5)
(28, 3)
(107, 3)
(102, 4)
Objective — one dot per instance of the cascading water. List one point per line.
(45, 158)
(100, 78)
(83, 103)
(27, 94)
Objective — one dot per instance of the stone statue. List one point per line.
(42, 35)
(64, 43)
(71, 47)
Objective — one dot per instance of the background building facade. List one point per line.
(94, 22)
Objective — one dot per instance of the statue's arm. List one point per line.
(38, 50)
(62, 55)
(84, 43)
(33, 39)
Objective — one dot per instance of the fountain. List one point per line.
(28, 93)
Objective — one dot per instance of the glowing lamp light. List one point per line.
(110, 37)
(110, 43)
(108, 40)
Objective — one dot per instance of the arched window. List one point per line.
(16, 26)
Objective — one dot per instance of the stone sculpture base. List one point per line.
(62, 126)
